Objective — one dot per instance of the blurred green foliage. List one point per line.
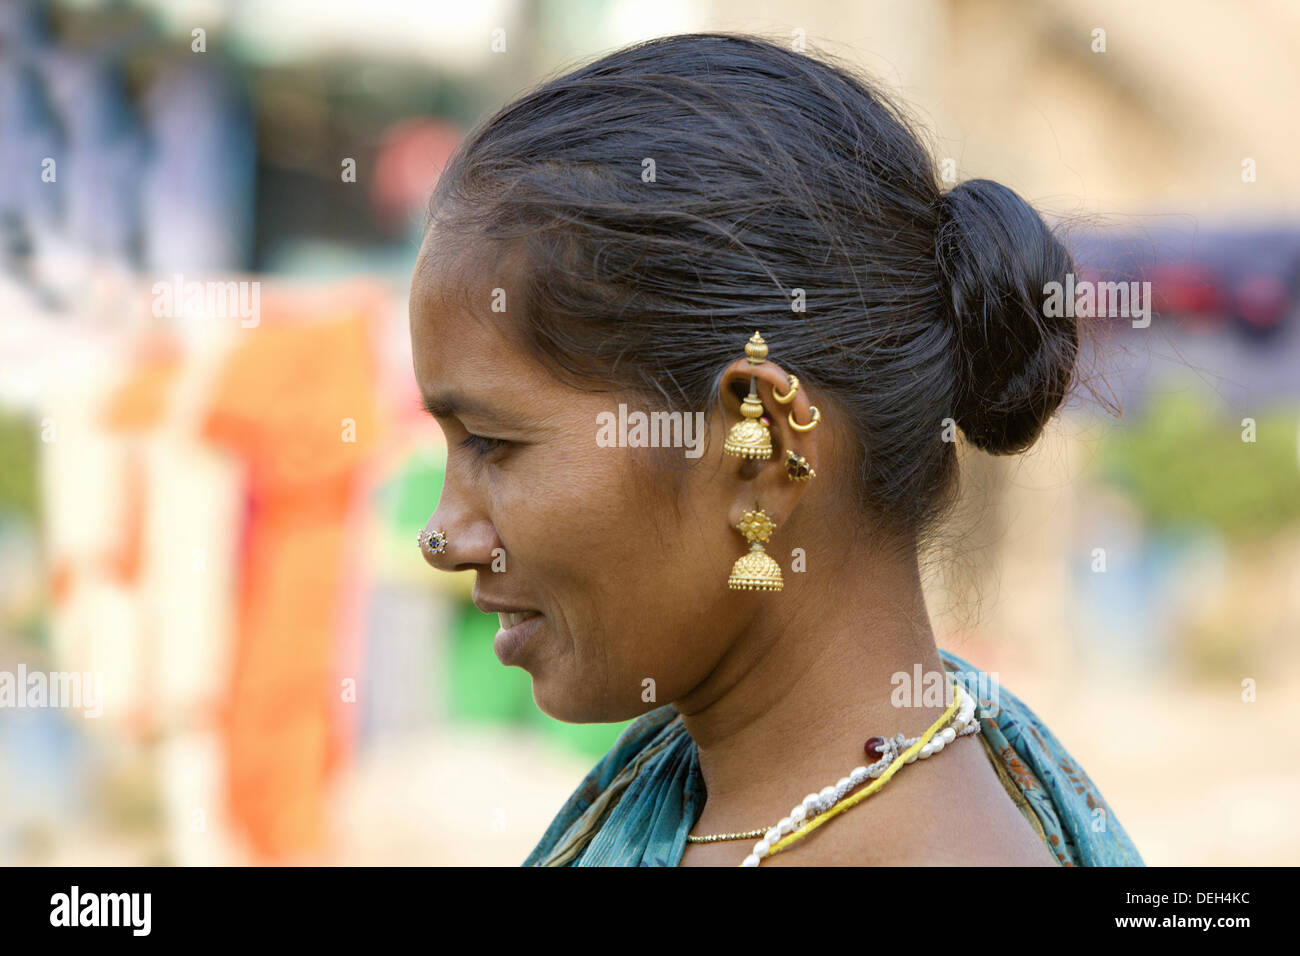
(1184, 462)
(18, 471)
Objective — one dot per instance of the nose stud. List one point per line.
(432, 542)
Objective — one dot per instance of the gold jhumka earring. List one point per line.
(750, 437)
(756, 570)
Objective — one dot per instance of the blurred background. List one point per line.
(212, 508)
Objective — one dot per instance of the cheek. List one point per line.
(656, 579)
(589, 532)
(572, 531)
(634, 587)
(599, 545)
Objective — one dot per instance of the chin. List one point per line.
(568, 704)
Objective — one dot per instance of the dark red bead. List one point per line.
(874, 747)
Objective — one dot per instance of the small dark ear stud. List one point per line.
(797, 467)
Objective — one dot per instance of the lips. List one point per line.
(509, 619)
(519, 623)
(518, 628)
(509, 612)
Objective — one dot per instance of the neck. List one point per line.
(788, 708)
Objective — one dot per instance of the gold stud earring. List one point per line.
(750, 437)
(756, 570)
(797, 467)
(816, 417)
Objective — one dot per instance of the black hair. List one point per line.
(672, 197)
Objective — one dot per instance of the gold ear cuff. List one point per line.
(816, 417)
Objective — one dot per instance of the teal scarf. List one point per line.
(639, 802)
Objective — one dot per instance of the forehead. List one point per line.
(459, 336)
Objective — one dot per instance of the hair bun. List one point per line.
(1014, 363)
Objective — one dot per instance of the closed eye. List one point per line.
(481, 446)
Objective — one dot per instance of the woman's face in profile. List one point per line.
(558, 526)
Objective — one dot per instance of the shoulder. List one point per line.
(1075, 818)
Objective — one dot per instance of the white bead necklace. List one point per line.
(815, 804)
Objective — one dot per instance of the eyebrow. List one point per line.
(450, 404)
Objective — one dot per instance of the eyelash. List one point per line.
(481, 446)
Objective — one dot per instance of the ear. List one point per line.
(765, 483)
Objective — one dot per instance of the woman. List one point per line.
(608, 249)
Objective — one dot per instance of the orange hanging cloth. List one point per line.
(296, 403)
